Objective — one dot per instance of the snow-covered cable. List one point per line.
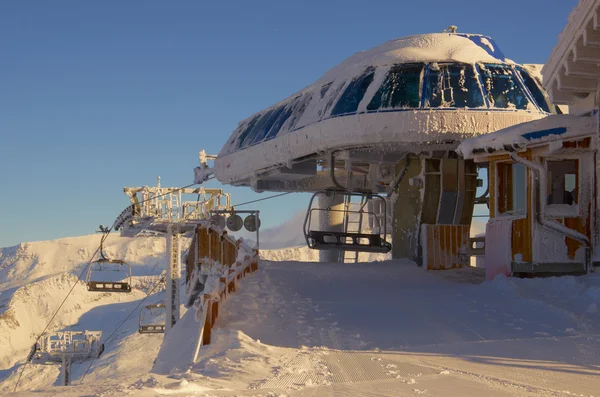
(106, 233)
(56, 312)
(265, 198)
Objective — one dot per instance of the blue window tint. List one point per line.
(281, 119)
(503, 89)
(401, 88)
(348, 102)
(332, 97)
(256, 129)
(268, 124)
(452, 86)
(247, 130)
(540, 96)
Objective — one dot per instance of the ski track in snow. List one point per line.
(317, 329)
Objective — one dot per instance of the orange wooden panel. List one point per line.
(574, 245)
(493, 188)
(203, 243)
(445, 245)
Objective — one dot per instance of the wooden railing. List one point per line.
(221, 262)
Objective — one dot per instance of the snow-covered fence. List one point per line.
(215, 264)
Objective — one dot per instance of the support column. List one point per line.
(331, 222)
(442, 197)
(65, 370)
(173, 276)
(407, 212)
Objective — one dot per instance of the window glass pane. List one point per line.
(540, 97)
(562, 182)
(503, 89)
(278, 123)
(452, 86)
(266, 127)
(348, 102)
(512, 188)
(332, 97)
(258, 126)
(519, 188)
(401, 88)
(298, 110)
(247, 130)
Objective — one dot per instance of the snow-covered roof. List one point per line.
(571, 72)
(431, 47)
(548, 129)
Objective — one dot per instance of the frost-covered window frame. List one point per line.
(539, 97)
(427, 88)
(485, 68)
(511, 194)
(348, 102)
(388, 96)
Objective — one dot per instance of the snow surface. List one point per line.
(315, 329)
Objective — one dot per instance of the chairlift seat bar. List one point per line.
(152, 329)
(101, 286)
(316, 240)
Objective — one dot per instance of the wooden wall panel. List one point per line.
(445, 246)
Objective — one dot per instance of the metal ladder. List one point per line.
(352, 225)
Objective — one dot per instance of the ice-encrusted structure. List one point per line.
(408, 95)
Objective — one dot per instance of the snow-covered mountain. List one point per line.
(297, 328)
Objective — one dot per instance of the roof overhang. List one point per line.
(573, 69)
(546, 131)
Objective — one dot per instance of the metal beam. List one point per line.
(173, 276)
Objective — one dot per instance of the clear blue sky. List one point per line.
(98, 95)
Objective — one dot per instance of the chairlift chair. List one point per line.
(102, 267)
(346, 240)
(105, 266)
(151, 312)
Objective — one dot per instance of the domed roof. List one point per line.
(422, 48)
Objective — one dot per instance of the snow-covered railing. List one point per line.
(216, 262)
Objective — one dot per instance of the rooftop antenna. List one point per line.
(450, 29)
(158, 177)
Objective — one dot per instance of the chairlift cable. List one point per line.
(55, 313)
(106, 232)
(261, 199)
(121, 324)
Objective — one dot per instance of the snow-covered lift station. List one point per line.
(387, 121)
(544, 174)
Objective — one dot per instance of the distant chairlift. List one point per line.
(348, 240)
(108, 275)
(152, 319)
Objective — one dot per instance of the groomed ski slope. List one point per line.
(371, 329)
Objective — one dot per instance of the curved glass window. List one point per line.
(401, 88)
(354, 93)
(298, 110)
(333, 94)
(256, 129)
(540, 97)
(503, 89)
(268, 124)
(278, 123)
(247, 130)
(452, 86)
